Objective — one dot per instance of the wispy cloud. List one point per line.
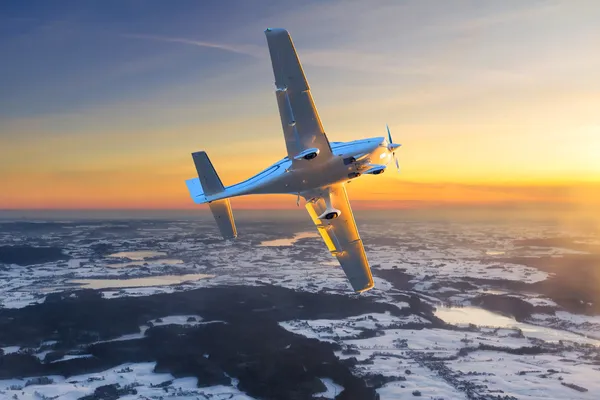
(246, 49)
(331, 58)
(526, 12)
(361, 61)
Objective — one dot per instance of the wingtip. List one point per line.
(368, 287)
(276, 31)
(198, 153)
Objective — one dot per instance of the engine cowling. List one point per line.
(307, 154)
(330, 213)
(375, 170)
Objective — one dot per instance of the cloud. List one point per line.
(498, 16)
(362, 61)
(350, 60)
(248, 49)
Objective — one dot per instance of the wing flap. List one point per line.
(342, 239)
(325, 231)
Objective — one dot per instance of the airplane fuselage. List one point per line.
(351, 160)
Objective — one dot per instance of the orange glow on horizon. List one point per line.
(143, 189)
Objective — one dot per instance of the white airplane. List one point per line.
(314, 168)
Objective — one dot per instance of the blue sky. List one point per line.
(471, 88)
(71, 55)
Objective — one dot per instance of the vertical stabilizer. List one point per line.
(210, 181)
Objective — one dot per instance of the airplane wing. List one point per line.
(342, 239)
(301, 124)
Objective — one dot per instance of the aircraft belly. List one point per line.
(302, 180)
(283, 178)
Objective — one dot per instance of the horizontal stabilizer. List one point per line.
(196, 191)
(221, 210)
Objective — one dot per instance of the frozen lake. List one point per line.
(484, 318)
(138, 255)
(162, 280)
(290, 241)
(157, 262)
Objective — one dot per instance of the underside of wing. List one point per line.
(301, 124)
(341, 237)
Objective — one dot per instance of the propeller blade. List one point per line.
(392, 147)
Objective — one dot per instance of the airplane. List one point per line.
(314, 168)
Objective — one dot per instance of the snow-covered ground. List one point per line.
(334, 330)
(139, 377)
(182, 255)
(428, 361)
(582, 324)
(154, 255)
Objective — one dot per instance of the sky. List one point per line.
(496, 104)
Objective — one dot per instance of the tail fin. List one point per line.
(210, 181)
(208, 184)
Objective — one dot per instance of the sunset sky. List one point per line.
(495, 102)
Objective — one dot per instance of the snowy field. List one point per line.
(439, 259)
(169, 256)
(414, 355)
(137, 379)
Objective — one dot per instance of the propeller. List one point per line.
(392, 147)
